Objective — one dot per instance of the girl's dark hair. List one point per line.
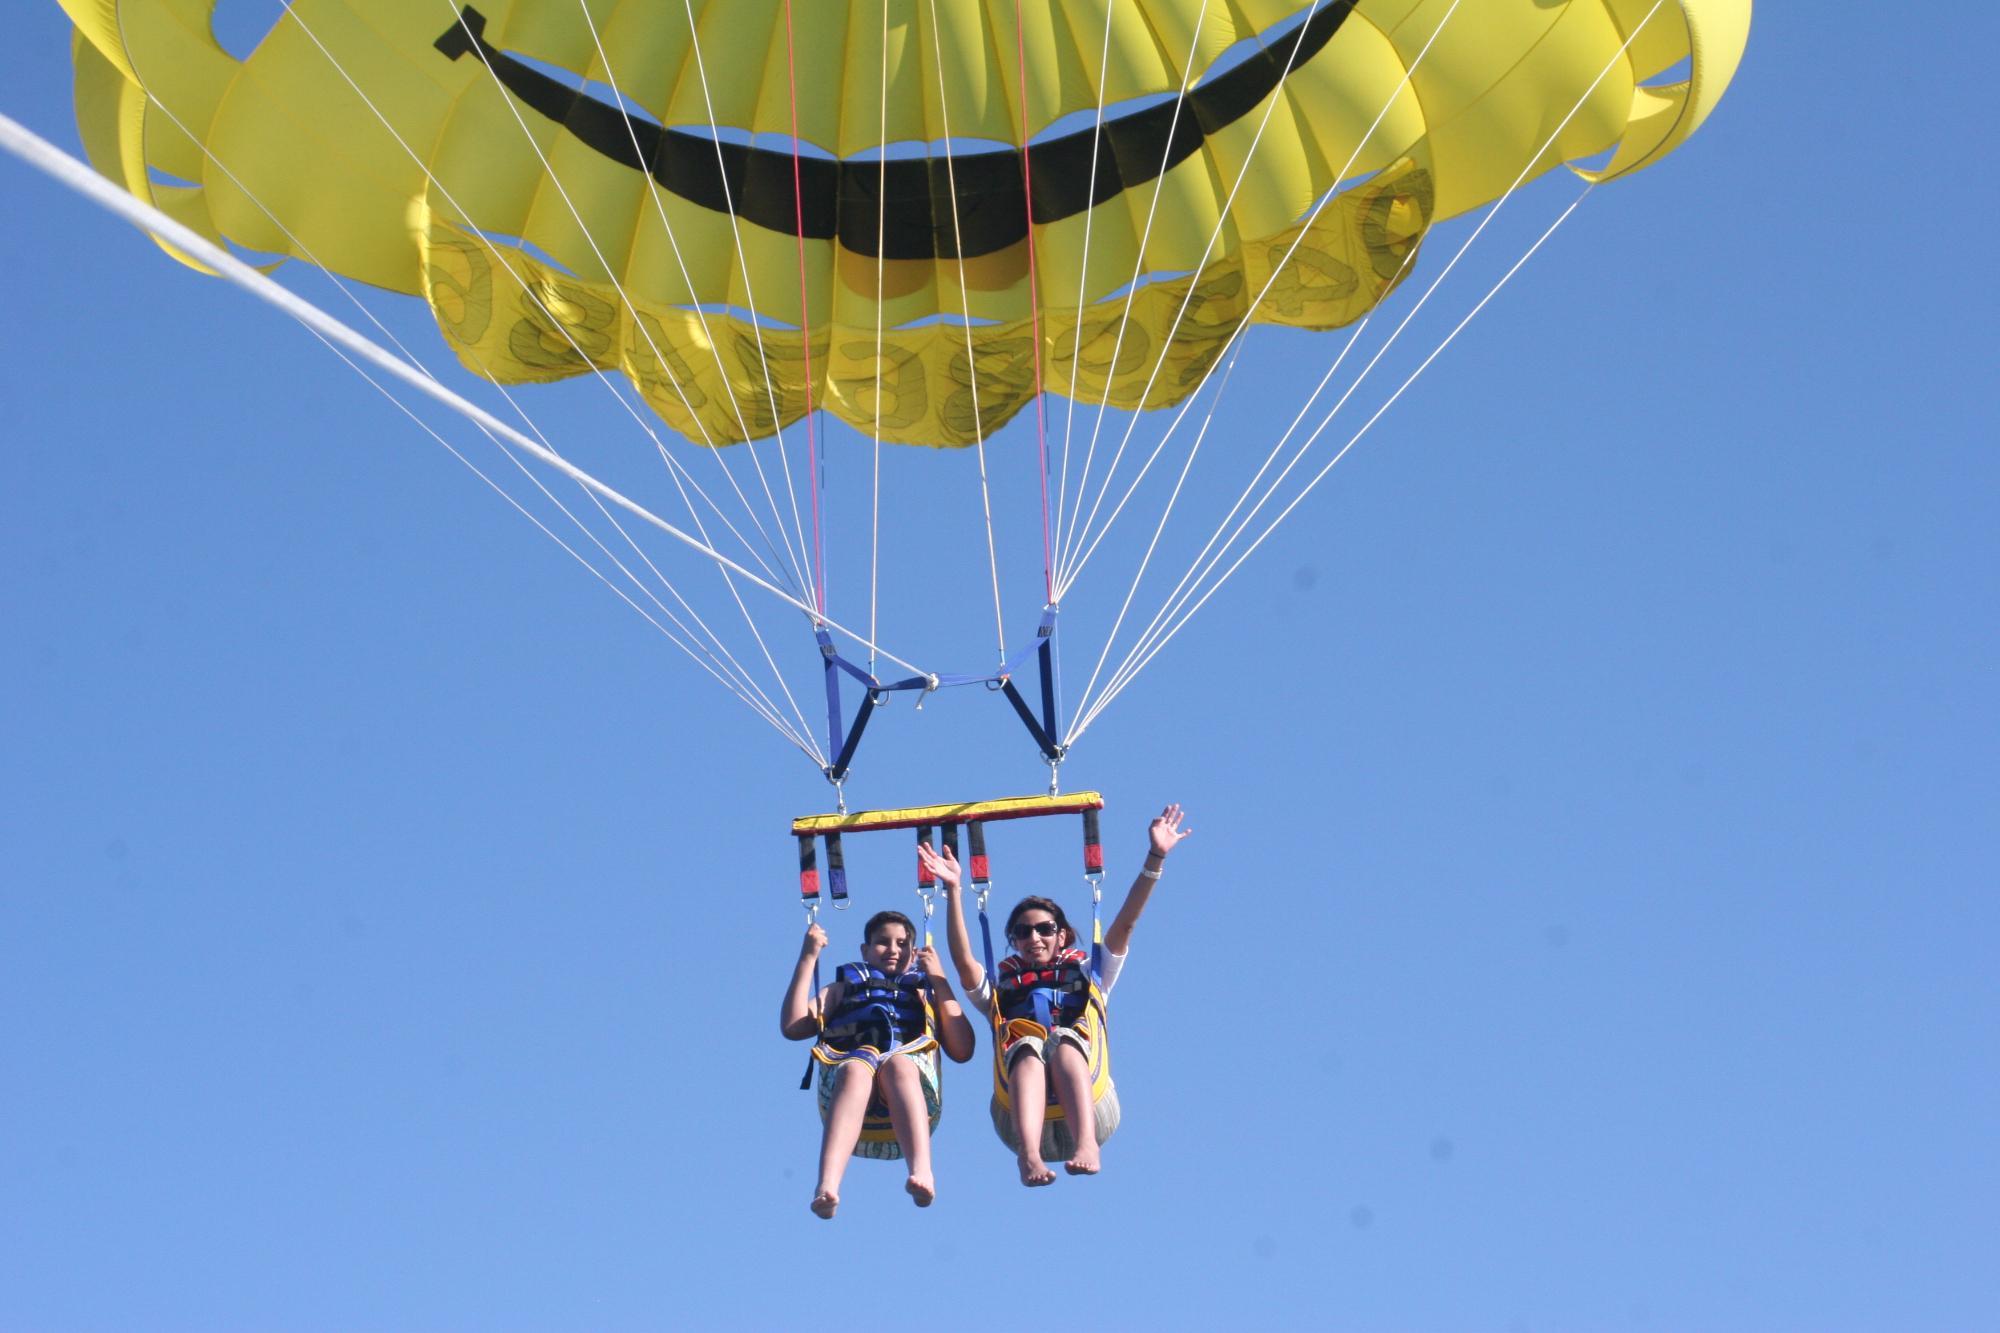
(881, 919)
(1037, 902)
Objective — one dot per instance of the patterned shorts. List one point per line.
(878, 1136)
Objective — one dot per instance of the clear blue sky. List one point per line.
(1588, 924)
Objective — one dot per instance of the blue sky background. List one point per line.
(1588, 924)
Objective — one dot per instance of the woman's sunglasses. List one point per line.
(1046, 929)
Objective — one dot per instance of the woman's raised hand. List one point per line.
(1166, 832)
(943, 865)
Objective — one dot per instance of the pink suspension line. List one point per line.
(1035, 310)
(805, 323)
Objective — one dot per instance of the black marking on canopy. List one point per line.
(847, 199)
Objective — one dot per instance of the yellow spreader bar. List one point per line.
(965, 812)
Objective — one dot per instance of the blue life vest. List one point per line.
(877, 1011)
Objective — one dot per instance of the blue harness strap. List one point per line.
(876, 1004)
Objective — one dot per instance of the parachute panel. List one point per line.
(476, 213)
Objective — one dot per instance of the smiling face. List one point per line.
(916, 217)
(949, 202)
(1037, 934)
(889, 948)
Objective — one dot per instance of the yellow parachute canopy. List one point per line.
(610, 184)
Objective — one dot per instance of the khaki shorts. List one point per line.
(1058, 1136)
(1027, 1042)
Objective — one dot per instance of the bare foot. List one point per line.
(1034, 1171)
(824, 1203)
(1084, 1162)
(921, 1189)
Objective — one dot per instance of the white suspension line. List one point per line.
(492, 250)
(1166, 345)
(674, 468)
(1491, 213)
(965, 305)
(1159, 531)
(1083, 271)
(1173, 598)
(1242, 328)
(625, 298)
(695, 615)
(618, 286)
(305, 251)
(1131, 286)
(676, 472)
(1075, 569)
(54, 162)
(1197, 569)
(750, 295)
(1112, 693)
(701, 315)
(526, 288)
(702, 657)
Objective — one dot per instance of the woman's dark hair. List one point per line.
(1034, 903)
(881, 919)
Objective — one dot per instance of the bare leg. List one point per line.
(852, 1084)
(903, 1090)
(1072, 1080)
(1030, 1082)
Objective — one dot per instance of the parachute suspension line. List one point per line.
(474, 41)
(526, 288)
(881, 264)
(1278, 447)
(675, 471)
(702, 657)
(749, 289)
(1069, 527)
(52, 161)
(1166, 345)
(1143, 653)
(1173, 606)
(965, 306)
(817, 477)
(1074, 568)
(1083, 269)
(746, 681)
(1035, 311)
(1135, 666)
(680, 261)
(1299, 417)
(701, 316)
(1159, 531)
(626, 300)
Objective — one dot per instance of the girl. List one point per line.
(1046, 1010)
(880, 1025)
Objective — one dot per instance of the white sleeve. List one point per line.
(1114, 963)
(981, 996)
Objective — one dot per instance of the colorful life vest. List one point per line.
(1032, 1002)
(1054, 996)
(877, 1014)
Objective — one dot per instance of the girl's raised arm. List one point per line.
(945, 867)
(1163, 835)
